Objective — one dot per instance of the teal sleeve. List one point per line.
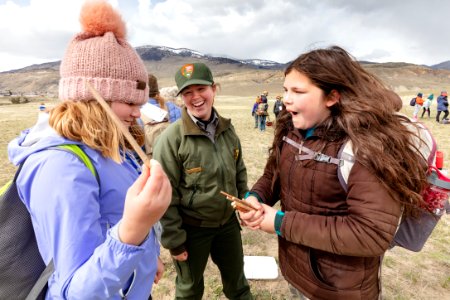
(278, 220)
(250, 193)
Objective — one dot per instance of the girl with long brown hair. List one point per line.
(331, 241)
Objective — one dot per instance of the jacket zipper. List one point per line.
(291, 170)
(222, 179)
(191, 200)
(125, 296)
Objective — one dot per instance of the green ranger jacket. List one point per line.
(199, 170)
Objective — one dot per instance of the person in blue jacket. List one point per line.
(154, 127)
(254, 110)
(98, 233)
(174, 112)
(442, 106)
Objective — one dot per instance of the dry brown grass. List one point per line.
(406, 275)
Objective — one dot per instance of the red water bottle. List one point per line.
(439, 160)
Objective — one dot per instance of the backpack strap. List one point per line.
(75, 149)
(4, 188)
(40, 285)
(428, 143)
(348, 160)
(311, 154)
(344, 161)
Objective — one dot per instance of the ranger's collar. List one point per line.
(191, 128)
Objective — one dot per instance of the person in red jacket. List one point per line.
(331, 240)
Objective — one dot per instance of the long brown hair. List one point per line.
(87, 122)
(366, 113)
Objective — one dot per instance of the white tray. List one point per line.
(260, 267)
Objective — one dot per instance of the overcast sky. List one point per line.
(414, 31)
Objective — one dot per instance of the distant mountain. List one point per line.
(54, 65)
(163, 62)
(443, 66)
(247, 77)
(157, 53)
(393, 65)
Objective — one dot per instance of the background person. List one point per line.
(442, 106)
(277, 106)
(262, 112)
(331, 241)
(42, 107)
(155, 98)
(426, 105)
(255, 109)
(98, 237)
(153, 128)
(202, 156)
(170, 94)
(264, 96)
(418, 105)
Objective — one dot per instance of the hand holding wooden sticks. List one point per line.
(119, 124)
(239, 204)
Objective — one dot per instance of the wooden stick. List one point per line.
(238, 201)
(240, 207)
(119, 124)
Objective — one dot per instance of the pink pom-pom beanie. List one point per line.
(101, 56)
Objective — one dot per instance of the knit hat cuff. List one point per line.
(129, 91)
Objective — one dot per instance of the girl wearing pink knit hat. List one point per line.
(97, 232)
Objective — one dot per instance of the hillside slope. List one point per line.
(237, 77)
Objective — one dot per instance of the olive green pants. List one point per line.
(225, 246)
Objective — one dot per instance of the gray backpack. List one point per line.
(23, 274)
(412, 232)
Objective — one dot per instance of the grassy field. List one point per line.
(406, 275)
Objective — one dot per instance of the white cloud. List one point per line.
(279, 30)
(32, 30)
